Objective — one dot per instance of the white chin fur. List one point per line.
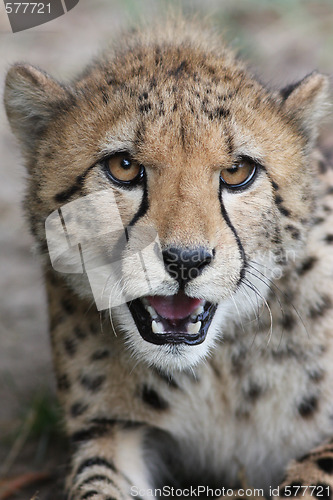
(180, 357)
(168, 358)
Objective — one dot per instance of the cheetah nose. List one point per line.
(186, 264)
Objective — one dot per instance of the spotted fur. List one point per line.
(257, 394)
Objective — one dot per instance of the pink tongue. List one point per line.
(175, 306)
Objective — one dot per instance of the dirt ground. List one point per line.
(284, 40)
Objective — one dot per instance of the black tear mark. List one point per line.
(144, 205)
(153, 399)
(308, 406)
(239, 243)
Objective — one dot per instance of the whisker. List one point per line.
(258, 317)
(239, 315)
(284, 295)
(255, 289)
(256, 313)
(268, 286)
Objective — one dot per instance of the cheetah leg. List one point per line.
(110, 467)
(311, 476)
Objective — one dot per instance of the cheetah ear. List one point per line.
(31, 99)
(306, 102)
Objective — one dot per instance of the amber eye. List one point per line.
(123, 169)
(240, 174)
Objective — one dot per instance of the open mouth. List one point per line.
(175, 319)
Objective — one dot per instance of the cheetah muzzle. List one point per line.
(175, 319)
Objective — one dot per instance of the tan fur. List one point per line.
(258, 392)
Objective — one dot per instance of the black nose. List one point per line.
(185, 264)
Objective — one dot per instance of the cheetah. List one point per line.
(210, 357)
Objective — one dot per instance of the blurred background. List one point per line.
(283, 40)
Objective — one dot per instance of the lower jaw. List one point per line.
(143, 323)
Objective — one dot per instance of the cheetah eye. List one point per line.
(240, 174)
(123, 169)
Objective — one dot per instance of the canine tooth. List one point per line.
(156, 327)
(144, 301)
(194, 327)
(151, 311)
(198, 311)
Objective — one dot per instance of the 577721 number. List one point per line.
(28, 8)
(317, 491)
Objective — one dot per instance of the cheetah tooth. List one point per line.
(197, 311)
(152, 312)
(194, 327)
(157, 327)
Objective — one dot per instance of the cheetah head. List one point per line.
(191, 147)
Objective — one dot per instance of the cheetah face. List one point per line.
(191, 148)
